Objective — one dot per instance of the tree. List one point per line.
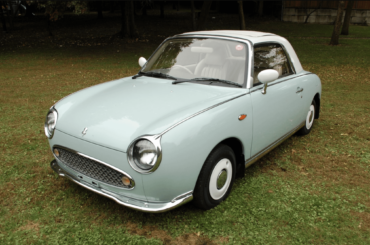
(337, 24)
(2, 17)
(54, 10)
(128, 28)
(161, 6)
(347, 17)
(100, 9)
(308, 16)
(241, 16)
(260, 8)
(194, 21)
(203, 15)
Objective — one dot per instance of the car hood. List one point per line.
(117, 112)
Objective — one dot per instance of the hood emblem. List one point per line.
(84, 131)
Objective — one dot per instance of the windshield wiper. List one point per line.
(153, 74)
(200, 79)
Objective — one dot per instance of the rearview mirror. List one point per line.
(142, 61)
(267, 76)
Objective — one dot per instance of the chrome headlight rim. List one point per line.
(156, 141)
(48, 133)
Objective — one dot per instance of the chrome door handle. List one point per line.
(299, 90)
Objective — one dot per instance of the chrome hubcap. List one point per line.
(222, 177)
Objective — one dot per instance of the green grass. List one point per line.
(309, 190)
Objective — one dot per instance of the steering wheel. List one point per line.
(180, 71)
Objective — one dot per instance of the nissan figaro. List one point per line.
(204, 106)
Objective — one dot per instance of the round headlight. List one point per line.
(50, 122)
(145, 154)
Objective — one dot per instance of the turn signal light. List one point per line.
(242, 117)
(126, 181)
(56, 152)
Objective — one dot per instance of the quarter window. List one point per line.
(270, 56)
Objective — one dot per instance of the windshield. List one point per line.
(200, 58)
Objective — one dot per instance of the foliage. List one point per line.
(56, 9)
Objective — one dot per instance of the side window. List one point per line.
(270, 56)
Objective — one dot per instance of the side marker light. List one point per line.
(242, 117)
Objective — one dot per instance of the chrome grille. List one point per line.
(91, 168)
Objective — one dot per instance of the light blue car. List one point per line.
(205, 106)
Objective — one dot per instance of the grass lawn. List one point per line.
(313, 189)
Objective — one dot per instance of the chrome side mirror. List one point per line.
(142, 61)
(267, 76)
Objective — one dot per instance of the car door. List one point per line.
(277, 112)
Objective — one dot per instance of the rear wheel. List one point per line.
(310, 118)
(216, 178)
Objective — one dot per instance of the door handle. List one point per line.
(299, 90)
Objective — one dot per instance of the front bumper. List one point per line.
(150, 207)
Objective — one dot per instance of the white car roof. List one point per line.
(254, 37)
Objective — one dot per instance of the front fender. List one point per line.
(186, 147)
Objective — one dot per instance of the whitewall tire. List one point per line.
(310, 118)
(216, 178)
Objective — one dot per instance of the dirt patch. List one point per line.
(30, 226)
(153, 232)
(364, 220)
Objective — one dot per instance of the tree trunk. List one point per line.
(260, 8)
(12, 15)
(203, 15)
(125, 27)
(241, 16)
(9, 14)
(112, 6)
(194, 22)
(29, 8)
(100, 9)
(347, 17)
(48, 25)
(144, 11)
(2, 17)
(161, 6)
(217, 8)
(337, 25)
(133, 29)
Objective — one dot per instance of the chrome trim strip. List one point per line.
(94, 159)
(130, 203)
(290, 78)
(182, 196)
(270, 147)
(199, 112)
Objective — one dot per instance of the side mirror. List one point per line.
(267, 76)
(142, 61)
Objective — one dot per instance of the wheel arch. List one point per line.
(237, 146)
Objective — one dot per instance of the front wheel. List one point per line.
(216, 178)
(310, 118)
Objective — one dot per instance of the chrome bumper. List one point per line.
(149, 207)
